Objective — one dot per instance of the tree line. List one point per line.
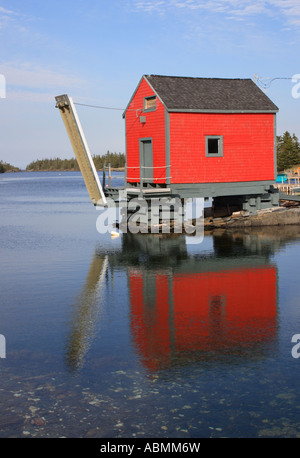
(116, 160)
(288, 151)
(6, 167)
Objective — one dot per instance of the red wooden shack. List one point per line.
(202, 137)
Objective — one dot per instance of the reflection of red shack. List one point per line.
(201, 315)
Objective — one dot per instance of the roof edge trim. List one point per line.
(186, 110)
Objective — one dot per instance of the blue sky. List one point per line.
(96, 51)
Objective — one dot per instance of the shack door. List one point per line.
(146, 159)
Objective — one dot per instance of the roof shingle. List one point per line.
(212, 94)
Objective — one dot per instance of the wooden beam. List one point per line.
(81, 149)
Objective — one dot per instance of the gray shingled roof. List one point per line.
(185, 93)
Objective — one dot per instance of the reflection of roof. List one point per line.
(153, 253)
(185, 93)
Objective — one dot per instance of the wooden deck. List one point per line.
(290, 186)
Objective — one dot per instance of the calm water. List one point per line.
(141, 336)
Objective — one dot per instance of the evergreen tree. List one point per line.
(116, 160)
(288, 151)
(6, 167)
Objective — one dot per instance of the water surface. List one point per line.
(142, 335)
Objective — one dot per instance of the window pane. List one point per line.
(213, 146)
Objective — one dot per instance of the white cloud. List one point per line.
(34, 76)
(27, 81)
(152, 6)
(6, 17)
(4, 11)
(291, 10)
(234, 9)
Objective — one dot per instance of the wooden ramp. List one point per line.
(291, 197)
(81, 149)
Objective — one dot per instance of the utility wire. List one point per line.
(105, 108)
(98, 106)
(266, 85)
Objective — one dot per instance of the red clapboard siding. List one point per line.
(248, 147)
(154, 128)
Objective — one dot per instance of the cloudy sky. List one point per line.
(97, 50)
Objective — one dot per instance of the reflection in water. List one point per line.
(202, 315)
(207, 307)
(85, 313)
(189, 306)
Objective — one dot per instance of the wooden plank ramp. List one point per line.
(81, 149)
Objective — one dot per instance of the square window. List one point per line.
(214, 146)
(150, 103)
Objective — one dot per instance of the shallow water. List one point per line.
(142, 335)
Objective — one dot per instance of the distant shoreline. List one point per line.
(113, 169)
(12, 171)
